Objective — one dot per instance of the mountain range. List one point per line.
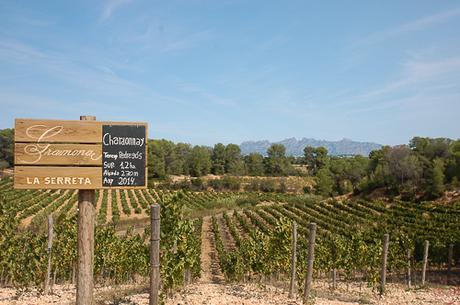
(295, 147)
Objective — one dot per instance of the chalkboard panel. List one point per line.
(123, 155)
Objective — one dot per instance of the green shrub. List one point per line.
(267, 185)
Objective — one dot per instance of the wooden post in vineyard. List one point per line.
(85, 242)
(409, 282)
(154, 254)
(383, 270)
(334, 278)
(293, 259)
(449, 262)
(310, 260)
(334, 267)
(425, 260)
(50, 247)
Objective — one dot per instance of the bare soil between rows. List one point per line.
(247, 294)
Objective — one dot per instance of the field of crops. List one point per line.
(257, 241)
(251, 235)
(33, 206)
(118, 258)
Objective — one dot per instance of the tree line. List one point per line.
(6, 148)
(422, 169)
(168, 158)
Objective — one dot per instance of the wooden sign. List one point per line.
(52, 154)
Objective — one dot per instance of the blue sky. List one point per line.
(204, 72)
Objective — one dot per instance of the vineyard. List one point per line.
(119, 258)
(251, 234)
(257, 241)
(32, 207)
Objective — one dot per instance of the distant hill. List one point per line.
(295, 147)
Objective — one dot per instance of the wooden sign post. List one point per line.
(84, 155)
(85, 242)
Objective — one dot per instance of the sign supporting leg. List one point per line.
(85, 243)
(85, 251)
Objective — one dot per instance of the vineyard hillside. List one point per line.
(212, 242)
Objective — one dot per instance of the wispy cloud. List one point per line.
(111, 6)
(417, 73)
(13, 51)
(100, 81)
(276, 41)
(188, 41)
(164, 39)
(207, 95)
(419, 80)
(26, 101)
(412, 26)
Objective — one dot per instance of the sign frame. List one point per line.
(51, 150)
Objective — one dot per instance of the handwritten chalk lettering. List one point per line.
(108, 155)
(107, 181)
(127, 165)
(109, 173)
(108, 139)
(126, 181)
(109, 164)
(129, 174)
(127, 155)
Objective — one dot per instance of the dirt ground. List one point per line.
(247, 294)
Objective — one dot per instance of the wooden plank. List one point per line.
(63, 131)
(57, 154)
(24, 178)
(57, 131)
(38, 177)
